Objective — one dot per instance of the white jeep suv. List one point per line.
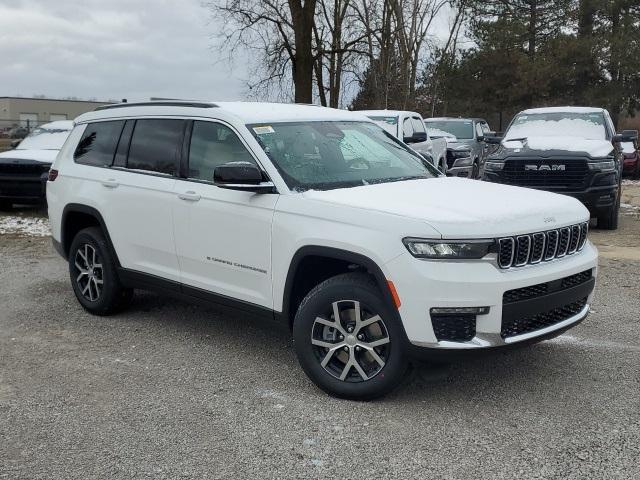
(318, 218)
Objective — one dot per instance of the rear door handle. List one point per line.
(189, 196)
(111, 183)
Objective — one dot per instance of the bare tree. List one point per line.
(280, 31)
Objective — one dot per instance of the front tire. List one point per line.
(475, 171)
(93, 273)
(609, 220)
(359, 356)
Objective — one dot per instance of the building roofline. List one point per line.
(54, 100)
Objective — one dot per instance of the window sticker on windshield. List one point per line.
(263, 130)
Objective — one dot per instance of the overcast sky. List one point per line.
(113, 49)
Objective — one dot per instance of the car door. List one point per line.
(223, 236)
(138, 193)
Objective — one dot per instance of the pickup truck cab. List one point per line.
(574, 151)
(409, 128)
(466, 145)
(317, 218)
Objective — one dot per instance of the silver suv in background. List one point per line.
(466, 146)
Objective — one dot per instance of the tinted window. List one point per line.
(155, 145)
(98, 143)
(213, 144)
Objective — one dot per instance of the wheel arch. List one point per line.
(290, 300)
(75, 217)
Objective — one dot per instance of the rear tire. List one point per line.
(94, 276)
(360, 357)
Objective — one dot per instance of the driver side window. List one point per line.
(213, 144)
(407, 128)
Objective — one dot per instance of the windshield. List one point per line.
(328, 155)
(45, 139)
(462, 129)
(589, 126)
(388, 123)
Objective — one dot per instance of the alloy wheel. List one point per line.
(88, 266)
(350, 341)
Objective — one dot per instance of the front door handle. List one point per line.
(189, 196)
(111, 183)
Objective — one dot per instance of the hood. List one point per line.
(43, 156)
(539, 145)
(462, 208)
(460, 144)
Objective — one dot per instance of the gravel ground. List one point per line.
(169, 390)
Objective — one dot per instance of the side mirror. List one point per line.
(626, 136)
(417, 137)
(493, 139)
(244, 176)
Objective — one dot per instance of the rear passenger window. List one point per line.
(155, 145)
(98, 143)
(213, 144)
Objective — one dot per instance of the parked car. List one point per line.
(18, 132)
(409, 128)
(466, 146)
(631, 159)
(568, 150)
(24, 170)
(263, 207)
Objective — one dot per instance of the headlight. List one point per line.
(494, 166)
(604, 166)
(452, 249)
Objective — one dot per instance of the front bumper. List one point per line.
(598, 200)
(423, 285)
(464, 172)
(28, 188)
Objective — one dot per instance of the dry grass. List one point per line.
(5, 144)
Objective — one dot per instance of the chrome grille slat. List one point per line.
(530, 249)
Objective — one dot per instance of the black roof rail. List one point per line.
(158, 104)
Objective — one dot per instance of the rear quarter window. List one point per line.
(98, 143)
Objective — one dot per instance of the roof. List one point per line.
(58, 125)
(454, 119)
(245, 112)
(564, 110)
(385, 113)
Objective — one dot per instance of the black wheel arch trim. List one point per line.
(337, 254)
(80, 208)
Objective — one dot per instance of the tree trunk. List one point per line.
(302, 16)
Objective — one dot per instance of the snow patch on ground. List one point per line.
(628, 181)
(28, 226)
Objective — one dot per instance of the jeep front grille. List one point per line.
(537, 247)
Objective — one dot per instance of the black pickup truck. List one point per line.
(569, 150)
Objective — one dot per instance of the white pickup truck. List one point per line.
(409, 128)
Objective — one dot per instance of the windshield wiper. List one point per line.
(398, 179)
